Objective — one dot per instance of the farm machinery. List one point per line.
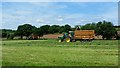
(81, 35)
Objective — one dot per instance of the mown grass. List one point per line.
(54, 53)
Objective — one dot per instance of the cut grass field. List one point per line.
(54, 53)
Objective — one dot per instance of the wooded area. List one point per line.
(105, 29)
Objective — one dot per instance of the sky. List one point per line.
(57, 13)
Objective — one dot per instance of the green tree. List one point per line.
(10, 36)
(106, 29)
(38, 31)
(67, 28)
(5, 32)
(62, 29)
(90, 26)
(98, 28)
(24, 30)
(54, 29)
(45, 28)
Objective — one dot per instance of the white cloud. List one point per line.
(60, 19)
(40, 21)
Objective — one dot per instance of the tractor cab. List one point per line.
(67, 37)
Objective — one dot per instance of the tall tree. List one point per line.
(38, 31)
(67, 28)
(106, 29)
(98, 28)
(24, 30)
(54, 29)
(62, 29)
(89, 26)
(45, 28)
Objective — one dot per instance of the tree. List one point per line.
(38, 31)
(106, 29)
(5, 32)
(90, 26)
(45, 28)
(54, 29)
(62, 29)
(24, 30)
(67, 28)
(10, 36)
(98, 28)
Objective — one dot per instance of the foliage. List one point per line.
(62, 29)
(89, 27)
(5, 32)
(67, 28)
(10, 36)
(54, 29)
(25, 30)
(38, 31)
(45, 29)
(106, 29)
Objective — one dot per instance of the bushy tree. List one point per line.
(45, 28)
(67, 28)
(89, 26)
(10, 36)
(38, 31)
(54, 29)
(62, 29)
(24, 30)
(107, 30)
(4, 34)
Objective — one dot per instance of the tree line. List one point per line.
(103, 28)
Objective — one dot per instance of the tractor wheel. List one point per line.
(59, 40)
(67, 39)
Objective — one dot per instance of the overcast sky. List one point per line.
(57, 13)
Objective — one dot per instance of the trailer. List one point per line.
(84, 35)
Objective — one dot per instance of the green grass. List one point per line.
(54, 53)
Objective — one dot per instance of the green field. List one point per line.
(54, 53)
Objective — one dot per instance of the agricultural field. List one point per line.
(54, 53)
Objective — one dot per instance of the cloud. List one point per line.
(40, 21)
(60, 18)
(51, 13)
